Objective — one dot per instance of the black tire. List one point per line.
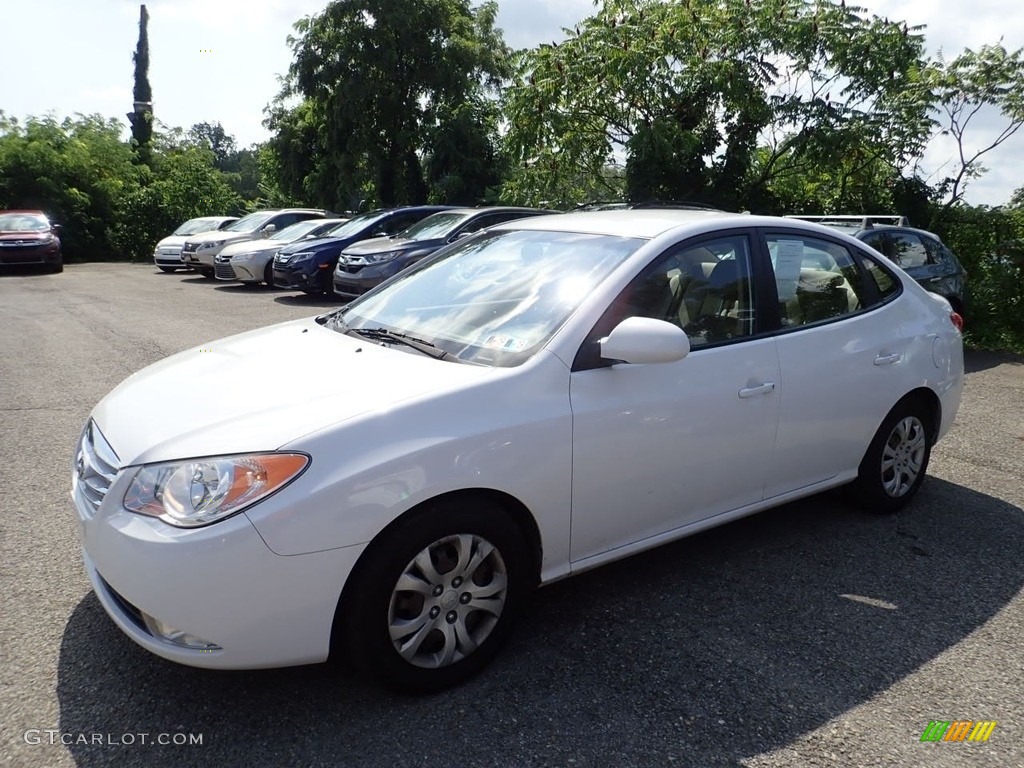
(206, 271)
(327, 282)
(56, 269)
(268, 274)
(372, 603)
(168, 270)
(896, 462)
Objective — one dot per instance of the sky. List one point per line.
(221, 60)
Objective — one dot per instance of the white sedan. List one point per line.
(547, 396)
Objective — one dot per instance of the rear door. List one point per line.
(841, 353)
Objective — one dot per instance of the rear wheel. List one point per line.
(895, 463)
(433, 601)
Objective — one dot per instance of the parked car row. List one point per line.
(347, 257)
(300, 249)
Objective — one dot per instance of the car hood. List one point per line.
(249, 246)
(173, 240)
(386, 244)
(317, 243)
(222, 237)
(260, 390)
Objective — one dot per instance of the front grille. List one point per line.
(170, 250)
(96, 466)
(347, 289)
(224, 272)
(349, 268)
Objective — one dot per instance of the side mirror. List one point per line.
(644, 340)
(57, 229)
(459, 236)
(269, 230)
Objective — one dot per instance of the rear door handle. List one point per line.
(888, 359)
(762, 389)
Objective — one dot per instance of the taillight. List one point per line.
(958, 321)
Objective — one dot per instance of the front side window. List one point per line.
(704, 288)
(435, 226)
(816, 280)
(492, 301)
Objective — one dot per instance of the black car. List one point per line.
(371, 262)
(28, 237)
(921, 254)
(307, 265)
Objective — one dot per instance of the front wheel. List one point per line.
(435, 598)
(168, 270)
(206, 271)
(895, 463)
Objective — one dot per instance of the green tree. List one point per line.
(378, 78)
(991, 78)
(141, 116)
(77, 170)
(182, 185)
(713, 100)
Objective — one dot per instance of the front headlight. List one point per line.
(244, 256)
(197, 492)
(296, 258)
(380, 258)
(207, 246)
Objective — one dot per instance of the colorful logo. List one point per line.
(958, 730)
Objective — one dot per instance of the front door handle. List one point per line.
(761, 389)
(888, 359)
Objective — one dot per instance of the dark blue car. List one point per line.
(366, 265)
(308, 266)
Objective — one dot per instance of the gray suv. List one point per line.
(921, 254)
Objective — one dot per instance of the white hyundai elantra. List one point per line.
(536, 400)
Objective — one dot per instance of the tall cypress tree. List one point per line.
(141, 116)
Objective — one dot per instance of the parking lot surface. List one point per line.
(810, 635)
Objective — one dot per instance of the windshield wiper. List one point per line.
(394, 337)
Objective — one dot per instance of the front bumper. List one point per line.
(169, 257)
(296, 279)
(48, 253)
(352, 281)
(200, 258)
(220, 582)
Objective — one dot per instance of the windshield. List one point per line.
(192, 226)
(250, 223)
(437, 226)
(23, 222)
(295, 231)
(493, 300)
(355, 224)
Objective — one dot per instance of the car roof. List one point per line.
(647, 223)
(31, 211)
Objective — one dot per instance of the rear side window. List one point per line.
(909, 250)
(816, 280)
(884, 282)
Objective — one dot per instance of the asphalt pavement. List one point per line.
(809, 635)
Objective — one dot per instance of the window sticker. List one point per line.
(506, 343)
(789, 256)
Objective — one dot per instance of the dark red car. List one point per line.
(28, 237)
